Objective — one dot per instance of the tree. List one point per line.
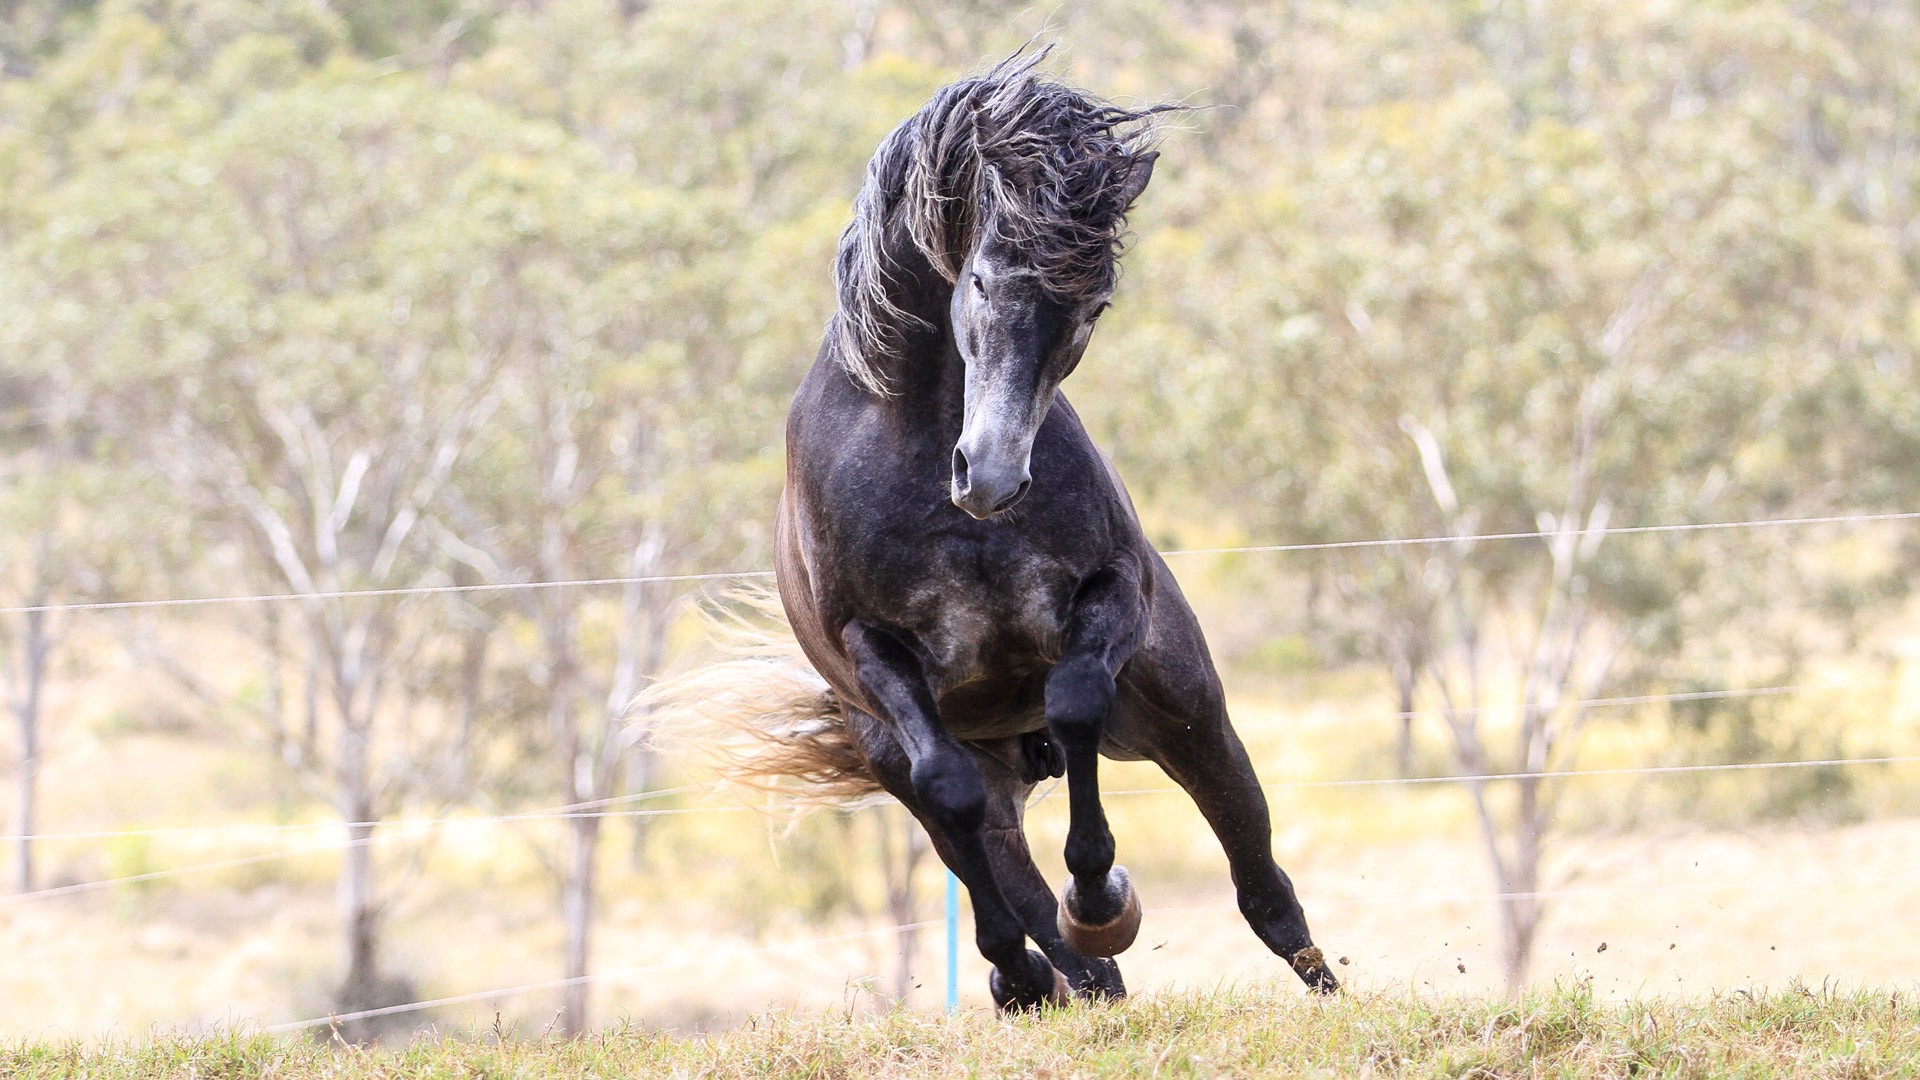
(610, 458)
(1540, 298)
(317, 397)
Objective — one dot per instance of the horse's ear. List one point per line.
(1137, 177)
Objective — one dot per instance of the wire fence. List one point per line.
(414, 828)
(622, 806)
(1395, 898)
(589, 809)
(732, 575)
(613, 975)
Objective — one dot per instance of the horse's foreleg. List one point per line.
(951, 796)
(1026, 887)
(1206, 758)
(1099, 913)
(1032, 898)
(1021, 882)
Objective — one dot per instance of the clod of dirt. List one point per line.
(1462, 968)
(1602, 948)
(1344, 961)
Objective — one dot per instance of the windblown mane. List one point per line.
(1046, 162)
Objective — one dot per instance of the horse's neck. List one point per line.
(928, 377)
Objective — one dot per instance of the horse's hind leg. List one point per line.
(950, 796)
(1206, 758)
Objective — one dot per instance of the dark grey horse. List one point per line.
(960, 564)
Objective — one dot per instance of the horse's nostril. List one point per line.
(1018, 494)
(960, 484)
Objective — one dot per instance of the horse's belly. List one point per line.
(996, 708)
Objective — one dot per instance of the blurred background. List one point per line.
(358, 302)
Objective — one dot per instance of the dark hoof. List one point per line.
(1040, 757)
(1311, 965)
(1042, 986)
(1080, 919)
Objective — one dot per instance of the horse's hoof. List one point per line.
(1009, 999)
(1110, 937)
(1311, 965)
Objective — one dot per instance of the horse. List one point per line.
(964, 570)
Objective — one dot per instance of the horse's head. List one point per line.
(1014, 190)
(1021, 333)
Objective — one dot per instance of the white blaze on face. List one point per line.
(999, 422)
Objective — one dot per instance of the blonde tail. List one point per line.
(759, 716)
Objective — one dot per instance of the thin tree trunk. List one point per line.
(913, 850)
(577, 902)
(1521, 908)
(276, 707)
(643, 761)
(309, 744)
(358, 909)
(1405, 677)
(473, 668)
(36, 647)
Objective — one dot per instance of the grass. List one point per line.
(1563, 1031)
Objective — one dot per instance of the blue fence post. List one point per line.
(953, 942)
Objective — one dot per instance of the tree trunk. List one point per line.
(899, 859)
(642, 762)
(1521, 908)
(1519, 926)
(577, 903)
(360, 987)
(309, 746)
(276, 706)
(1405, 676)
(35, 649)
(362, 920)
(473, 669)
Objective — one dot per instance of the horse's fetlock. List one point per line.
(1089, 853)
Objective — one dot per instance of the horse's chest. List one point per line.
(980, 623)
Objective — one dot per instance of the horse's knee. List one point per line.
(951, 792)
(1079, 699)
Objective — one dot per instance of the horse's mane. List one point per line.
(1046, 162)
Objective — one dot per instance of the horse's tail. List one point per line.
(759, 715)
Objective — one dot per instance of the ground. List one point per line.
(1563, 1031)
(1676, 885)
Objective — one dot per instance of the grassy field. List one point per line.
(1564, 1031)
(1675, 884)
(730, 915)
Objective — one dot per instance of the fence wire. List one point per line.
(401, 828)
(1401, 898)
(724, 575)
(591, 977)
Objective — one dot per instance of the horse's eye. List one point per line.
(979, 286)
(1099, 311)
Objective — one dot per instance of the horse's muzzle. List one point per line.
(983, 490)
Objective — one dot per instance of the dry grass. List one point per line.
(719, 921)
(1566, 1031)
(720, 917)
